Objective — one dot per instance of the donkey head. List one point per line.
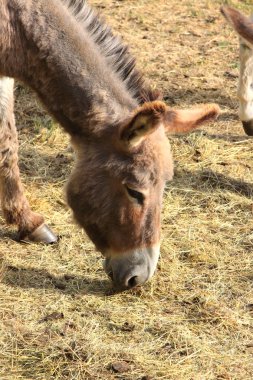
(244, 28)
(116, 188)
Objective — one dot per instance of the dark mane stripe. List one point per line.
(116, 53)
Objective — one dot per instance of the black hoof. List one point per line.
(42, 234)
(248, 127)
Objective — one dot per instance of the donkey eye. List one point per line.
(139, 197)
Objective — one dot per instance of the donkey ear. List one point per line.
(145, 121)
(182, 121)
(242, 25)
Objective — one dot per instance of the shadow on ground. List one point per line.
(212, 180)
(198, 95)
(27, 278)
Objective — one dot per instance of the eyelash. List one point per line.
(139, 197)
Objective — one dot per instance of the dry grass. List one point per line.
(194, 320)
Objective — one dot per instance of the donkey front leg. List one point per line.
(244, 27)
(245, 93)
(15, 206)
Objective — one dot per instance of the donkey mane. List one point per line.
(113, 49)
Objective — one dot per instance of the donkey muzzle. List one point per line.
(132, 268)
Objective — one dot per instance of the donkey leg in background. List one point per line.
(245, 87)
(15, 206)
(243, 26)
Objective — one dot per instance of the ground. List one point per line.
(59, 318)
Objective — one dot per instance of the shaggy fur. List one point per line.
(15, 206)
(87, 80)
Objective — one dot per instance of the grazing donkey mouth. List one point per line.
(132, 268)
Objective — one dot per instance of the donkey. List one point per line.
(87, 80)
(244, 27)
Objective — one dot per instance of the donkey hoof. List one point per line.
(248, 127)
(42, 234)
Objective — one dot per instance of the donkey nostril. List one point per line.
(132, 282)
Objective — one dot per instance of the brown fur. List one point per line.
(95, 95)
(242, 24)
(15, 206)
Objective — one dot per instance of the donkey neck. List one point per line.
(51, 53)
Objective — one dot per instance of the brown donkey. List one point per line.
(244, 27)
(87, 80)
